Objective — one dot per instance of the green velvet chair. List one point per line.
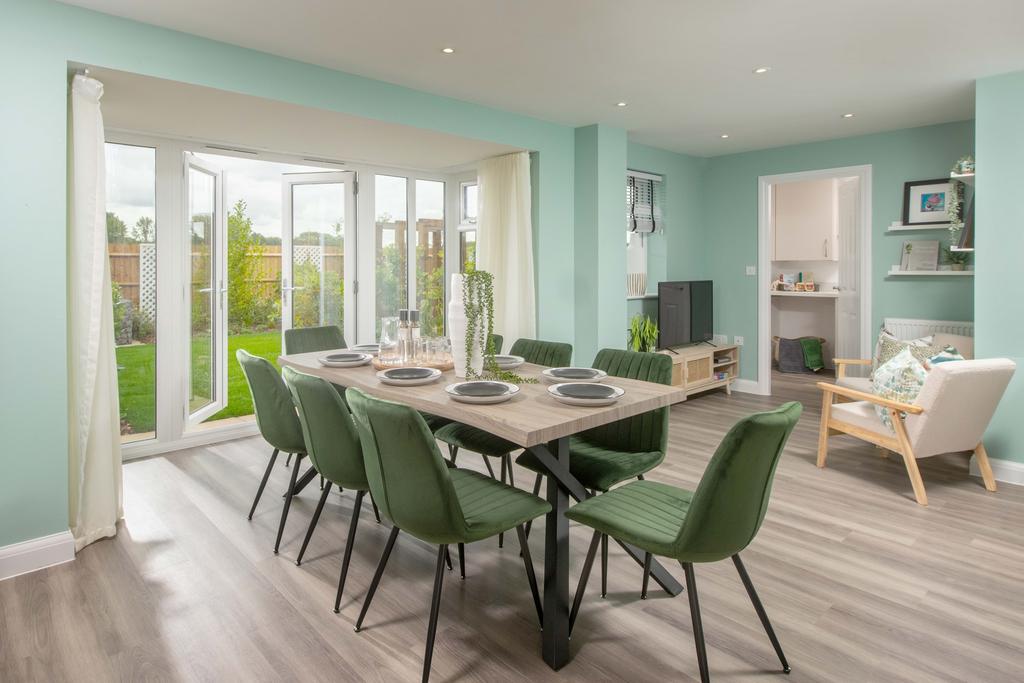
(716, 521)
(610, 454)
(277, 421)
(457, 435)
(308, 339)
(424, 497)
(332, 442)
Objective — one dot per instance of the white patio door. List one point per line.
(206, 289)
(318, 285)
(848, 303)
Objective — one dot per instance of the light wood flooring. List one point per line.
(861, 583)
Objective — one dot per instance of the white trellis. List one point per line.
(308, 253)
(147, 279)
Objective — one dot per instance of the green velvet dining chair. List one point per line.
(718, 520)
(309, 339)
(332, 443)
(426, 498)
(619, 451)
(277, 421)
(458, 435)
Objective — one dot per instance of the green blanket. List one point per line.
(812, 353)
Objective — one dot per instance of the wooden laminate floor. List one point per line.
(861, 583)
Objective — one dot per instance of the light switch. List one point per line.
(751, 270)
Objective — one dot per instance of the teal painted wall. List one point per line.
(38, 38)
(999, 243)
(730, 223)
(600, 249)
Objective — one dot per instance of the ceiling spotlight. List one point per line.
(448, 50)
(621, 104)
(724, 136)
(848, 116)
(762, 69)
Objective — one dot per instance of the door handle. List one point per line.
(825, 247)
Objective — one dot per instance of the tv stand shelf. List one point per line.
(694, 367)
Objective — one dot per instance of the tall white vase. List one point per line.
(457, 332)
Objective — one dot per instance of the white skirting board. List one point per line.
(36, 553)
(1006, 471)
(747, 386)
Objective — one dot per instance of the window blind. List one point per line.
(645, 202)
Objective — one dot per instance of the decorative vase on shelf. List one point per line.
(457, 323)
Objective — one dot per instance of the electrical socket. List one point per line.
(738, 341)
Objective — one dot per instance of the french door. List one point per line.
(206, 289)
(318, 255)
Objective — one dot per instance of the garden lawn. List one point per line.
(137, 374)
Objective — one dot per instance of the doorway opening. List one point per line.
(814, 228)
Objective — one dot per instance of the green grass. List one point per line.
(137, 375)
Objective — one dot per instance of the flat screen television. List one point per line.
(685, 313)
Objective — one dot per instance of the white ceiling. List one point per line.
(684, 66)
(152, 105)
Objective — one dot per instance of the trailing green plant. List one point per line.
(643, 333)
(956, 257)
(478, 304)
(963, 166)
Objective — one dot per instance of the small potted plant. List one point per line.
(957, 259)
(643, 333)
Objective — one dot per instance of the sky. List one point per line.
(131, 191)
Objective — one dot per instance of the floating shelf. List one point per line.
(896, 272)
(966, 178)
(900, 227)
(809, 295)
(640, 298)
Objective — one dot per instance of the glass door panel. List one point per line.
(430, 280)
(318, 251)
(391, 247)
(207, 268)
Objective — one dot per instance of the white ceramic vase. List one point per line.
(457, 332)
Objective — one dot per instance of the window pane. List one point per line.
(318, 255)
(392, 291)
(430, 256)
(469, 203)
(202, 200)
(131, 244)
(467, 251)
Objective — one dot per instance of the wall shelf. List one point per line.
(966, 178)
(809, 295)
(640, 298)
(896, 272)
(900, 227)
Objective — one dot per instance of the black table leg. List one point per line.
(556, 564)
(308, 476)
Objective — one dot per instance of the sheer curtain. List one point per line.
(94, 466)
(505, 242)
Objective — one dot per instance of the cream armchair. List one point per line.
(950, 414)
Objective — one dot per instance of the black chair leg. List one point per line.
(698, 628)
(453, 453)
(448, 559)
(604, 565)
(536, 492)
(288, 460)
(584, 577)
(321, 482)
(462, 560)
(435, 608)
(287, 502)
(501, 536)
(263, 482)
(759, 608)
(348, 549)
(487, 461)
(376, 512)
(312, 523)
(376, 577)
(647, 575)
(531, 576)
(508, 467)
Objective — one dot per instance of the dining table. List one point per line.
(534, 420)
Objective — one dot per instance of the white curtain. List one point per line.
(505, 242)
(94, 467)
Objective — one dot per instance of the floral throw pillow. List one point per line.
(899, 379)
(889, 347)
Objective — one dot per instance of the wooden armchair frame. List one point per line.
(899, 442)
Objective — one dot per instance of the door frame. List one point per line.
(349, 240)
(764, 253)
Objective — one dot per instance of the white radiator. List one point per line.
(912, 328)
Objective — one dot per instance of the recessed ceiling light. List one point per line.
(724, 136)
(448, 50)
(762, 69)
(848, 116)
(621, 104)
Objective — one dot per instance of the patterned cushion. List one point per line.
(899, 379)
(888, 347)
(947, 354)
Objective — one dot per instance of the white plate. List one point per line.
(507, 362)
(452, 390)
(372, 349)
(434, 375)
(549, 375)
(590, 402)
(362, 359)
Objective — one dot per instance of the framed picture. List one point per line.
(925, 202)
(919, 255)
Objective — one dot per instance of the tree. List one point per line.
(117, 231)
(248, 308)
(144, 229)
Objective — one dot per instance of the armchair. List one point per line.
(950, 414)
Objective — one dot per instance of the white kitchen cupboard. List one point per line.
(805, 221)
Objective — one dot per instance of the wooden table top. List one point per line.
(531, 417)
